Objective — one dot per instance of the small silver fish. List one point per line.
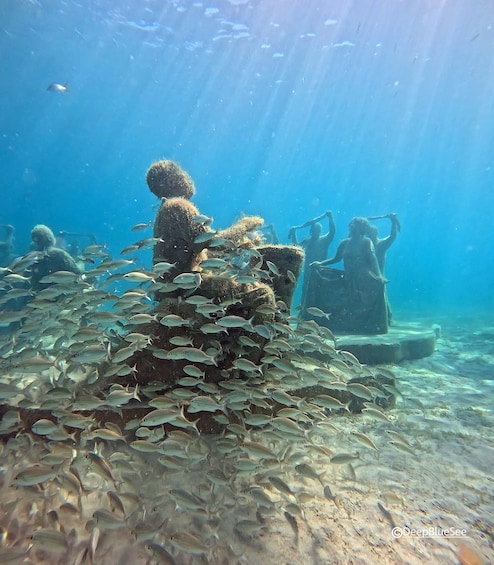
(317, 312)
(57, 87)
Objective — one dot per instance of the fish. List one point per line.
(293, 524)
(202, 220)
(163, 267)
(398, 437)
(191, 354)
(257, 419)
(343, 458)
(159, 553)
(100, 464)
(108, 521)
(148, 242)
(307, 471)
(43, 427)
(57, 87)
(328, 494)
(118, 396)
(329, 402)
(273, 268)
(50, 540)
(141, 226)
(205, 237)
(400, 446)
(387, 515)
(181, 341)
(375, 413)
(234, 322)
(359, 390)
(257, 449)
(188, 543)
(246, 366)
(35, 364)
(317, 312)
(193, 371)
(291, 277)
(138, 277)
(159, 416)
(204, 404)
(208, 310)
(215, 263)
(280, 485)
(364, 440)
(34, 476)
(174, 321)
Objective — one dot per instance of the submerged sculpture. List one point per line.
(315, 246)
(50, 259)
(353, 299)
(6, 245)
(214, 287)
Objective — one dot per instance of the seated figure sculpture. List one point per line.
(354, 299)
(239, 277)
(50, 259)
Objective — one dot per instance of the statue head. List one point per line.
(315, 230)
(358, 227)
(167, 180)
(42, 237)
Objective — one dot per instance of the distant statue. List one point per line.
(353, 299)
(50, 258)
(70, 242)
(358, 255)
(381, 246)
(7, 245)
(269, 235)
(316, 245)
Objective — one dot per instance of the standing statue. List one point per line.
(315, 246)
(381, 246)
(7, 245)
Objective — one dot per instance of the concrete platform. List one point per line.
(402, 342)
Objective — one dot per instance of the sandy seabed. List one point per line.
(445, 486)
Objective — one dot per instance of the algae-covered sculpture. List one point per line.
(166, 179)
(7, 245)
(315, 246)
(213, 288)
(50, 259)
(354, 299)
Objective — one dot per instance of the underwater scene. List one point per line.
(246, 282)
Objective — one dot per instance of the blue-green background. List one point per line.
(281, 108)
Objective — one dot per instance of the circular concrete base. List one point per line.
(403, 341)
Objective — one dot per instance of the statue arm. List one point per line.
(332, 226)
(395, 228)
(336, 259)
(313, 221)
(292, 235)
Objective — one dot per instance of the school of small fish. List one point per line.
(76, 489)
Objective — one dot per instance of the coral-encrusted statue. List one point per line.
(51, 258)
(239, 280)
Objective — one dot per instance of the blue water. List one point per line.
(281, 108)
